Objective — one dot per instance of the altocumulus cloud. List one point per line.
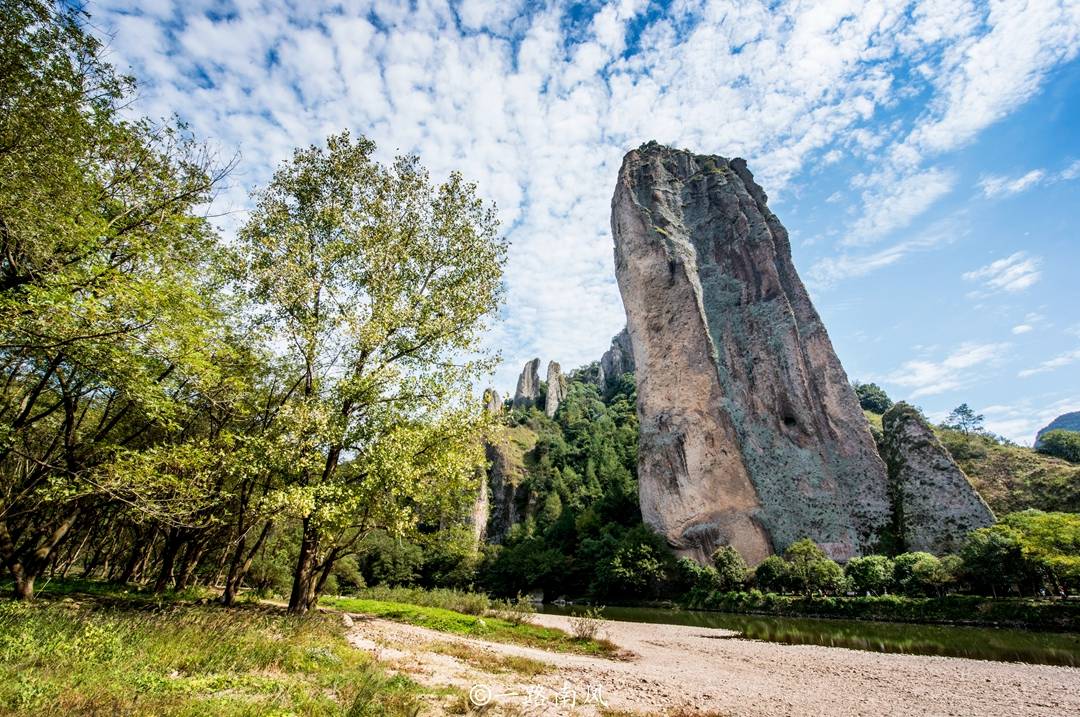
(537, 102)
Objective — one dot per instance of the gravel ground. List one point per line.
(680, 669)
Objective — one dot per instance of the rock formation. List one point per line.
(751, 434)
(528, 385)
(617, 360)
(493, 402)
(505, 453)
(1064, 422)
(934, 505)
(556, 388)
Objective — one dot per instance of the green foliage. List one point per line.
(412, 270)
(771, 574)
(469, 603)
(920, 573)
(810, 570)
(1061, 444)
(872, 397)
(1012, 478)
(1057, 615)
(730, 567)
(872, 574)
(581, 531)
(384, 559)
(964, 419)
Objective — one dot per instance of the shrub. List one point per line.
(730, 568)
(1061, 444)
(825, 576)
(872, 397)
(800, 556)
(586, 625)
(772, 574)
(872, 574)
(516, 611)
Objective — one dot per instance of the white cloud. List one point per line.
(1003, 186)
(1011, 274)
(831, 270)
(893, 206)
(539, 111)
(1060, 361)
(960, 368)
(992, 60)
(1020, 422)
(995, 186)
(1032, 321)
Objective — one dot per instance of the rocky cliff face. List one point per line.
(751, 434)
(617, 360)
(528, 385)
(934, 504)
(505, 453)
(556, 388)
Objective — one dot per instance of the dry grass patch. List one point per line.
(491, 662)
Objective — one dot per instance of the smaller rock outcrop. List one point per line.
(556, 388)
(1064, 422)
(507, 503)
(934, 504)
(528, 385)
(617, 360)
(493, 402)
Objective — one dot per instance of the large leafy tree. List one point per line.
(376, 283)
(106, 297)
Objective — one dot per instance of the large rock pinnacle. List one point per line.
(934, 504)
(528, 385)
(556, 388)
(751, 434)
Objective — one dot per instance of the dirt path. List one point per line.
(694, 669)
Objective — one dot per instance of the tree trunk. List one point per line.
(239, 567)
(168, 560)
(24, 588)
(303, 587)
(192, 556)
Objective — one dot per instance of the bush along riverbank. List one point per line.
(1058, 615)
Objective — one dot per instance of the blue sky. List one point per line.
(925, 156)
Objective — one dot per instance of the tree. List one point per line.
(1061, 444)
(771, 574)
(825, 576)
(870, 574)
(872, 397)
(1049, 545)
(964, 419)
(108, 288)
(376, 283)
(730, 567)
(800, 556)
(993, 559)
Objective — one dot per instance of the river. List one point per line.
(979, 643)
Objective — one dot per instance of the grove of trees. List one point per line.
(172, 404)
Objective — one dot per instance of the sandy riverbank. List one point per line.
(694, 669)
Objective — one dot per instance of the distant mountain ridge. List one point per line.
(1064, 422)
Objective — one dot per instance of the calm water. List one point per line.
(979, 643)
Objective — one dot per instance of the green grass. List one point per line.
(488, 628)
(86, 657)
(457, 600)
